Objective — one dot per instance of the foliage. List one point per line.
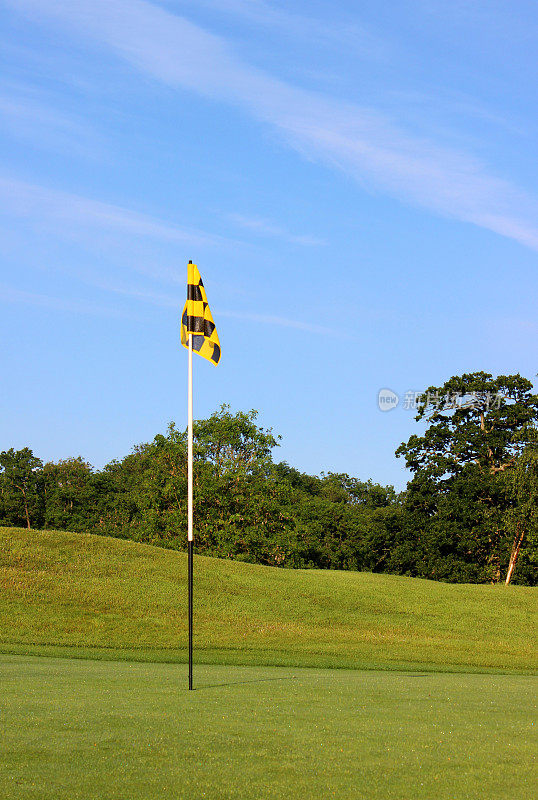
(68, 493)
(459, 500)
(21, 496)
(143, 497)
(475, 420)
(521, 518)
(468, 515)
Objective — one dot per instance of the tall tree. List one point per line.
(234, 443)
(242, 503)
(473, 420)
(69, 493)
(478, 427)
(21, 486)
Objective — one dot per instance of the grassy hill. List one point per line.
(84, 595)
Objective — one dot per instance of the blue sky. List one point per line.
(357, 183)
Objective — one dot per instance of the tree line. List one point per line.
(469, 513)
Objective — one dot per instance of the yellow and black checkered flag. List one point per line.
(197, 319)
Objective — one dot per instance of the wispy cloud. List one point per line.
(47, 206)
(266, 227)
(272, 320)
(143, 294)
(315, 30)
(169, 301)
(359, 141)
(11, 295)
(27, 118)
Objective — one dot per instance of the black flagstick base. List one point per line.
(190, 614)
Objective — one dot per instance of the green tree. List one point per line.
(478, 427)
(234, 443)
(143, 497)
(21, 487)
(69, 494)
(474, 420)
(310, 485)
(241, 501)
(241, 506)
(522, 516)
(343, 488)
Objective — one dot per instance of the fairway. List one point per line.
(83, 595)
(96, 729)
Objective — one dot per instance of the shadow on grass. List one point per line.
(239, 683)
(288, 678)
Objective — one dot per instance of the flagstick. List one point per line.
(190, 536)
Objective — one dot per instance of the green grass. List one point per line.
(89, 730)
(87, 727)
(83, 595)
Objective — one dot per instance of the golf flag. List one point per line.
(198, 334)
(197, 319)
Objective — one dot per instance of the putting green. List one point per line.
(131, 731)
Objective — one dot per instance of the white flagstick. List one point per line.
(190, 536)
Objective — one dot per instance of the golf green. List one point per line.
(75, 728)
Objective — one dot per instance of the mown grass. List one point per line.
(88, 730)
(84, 595)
